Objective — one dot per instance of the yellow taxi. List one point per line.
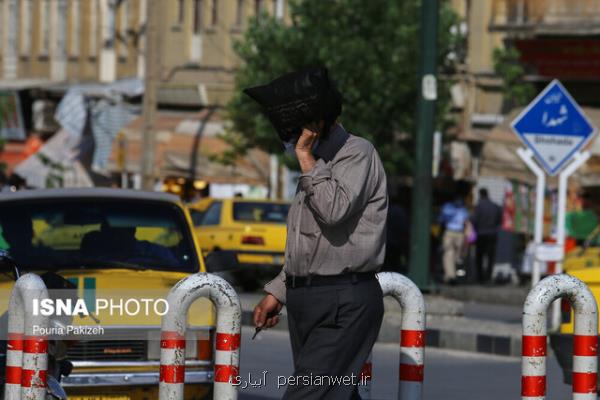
(118, 245)
(254, 230)
(582, 262)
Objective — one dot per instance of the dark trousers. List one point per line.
(332, 330)
(485, 249)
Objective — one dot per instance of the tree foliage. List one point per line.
(517, 92)
(371, 48)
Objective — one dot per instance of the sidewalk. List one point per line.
(468, 318)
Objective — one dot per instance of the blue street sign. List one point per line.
(553, 127)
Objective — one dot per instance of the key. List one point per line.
(258, 329)
(256, 332)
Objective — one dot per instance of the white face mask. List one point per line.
(290, 147)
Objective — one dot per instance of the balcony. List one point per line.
(530, 18)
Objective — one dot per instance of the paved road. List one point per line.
(449, 375)
(493, 312)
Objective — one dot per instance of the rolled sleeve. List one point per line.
(335, 192)
(320, 172)
(276, 287)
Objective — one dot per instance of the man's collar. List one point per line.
(328, 148)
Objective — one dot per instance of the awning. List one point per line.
(182, 95)
(24, 84)
(129, 87)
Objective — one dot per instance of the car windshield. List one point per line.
(97, 234)
(260, 212)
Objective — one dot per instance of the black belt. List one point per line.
(292, 281)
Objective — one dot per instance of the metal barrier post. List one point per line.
(227, 344)
(585, 338)
(412, 336)
(26, 353)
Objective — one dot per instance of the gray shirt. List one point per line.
(337, 221)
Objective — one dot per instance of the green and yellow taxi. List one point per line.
(113, 244)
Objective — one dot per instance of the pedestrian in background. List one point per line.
(487, 218)
(453, 218)
(336, 237)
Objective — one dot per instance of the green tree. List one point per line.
(507, 64)
(371, 48)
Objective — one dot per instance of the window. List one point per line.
(214, 13)
(260, 212)
(212, 216)
(123, 26)
(517, 12)
(180, 12)
(75, 27)
(278, 8)
(239, 14)
(93, 28)
(258, 7)
(198, 15)
(45, 27)
(26, 15)
(74, 233)
(196, 217)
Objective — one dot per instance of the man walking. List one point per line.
(453, 217)
(486, 220)
(336, 239)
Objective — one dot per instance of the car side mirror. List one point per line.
(218, 261)
(8, 265)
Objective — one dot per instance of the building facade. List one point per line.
(478, 94)
(555, 39)
(81, 41)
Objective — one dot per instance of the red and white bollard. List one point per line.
(26, 354)
(585, 338)
(227, 344)
(365, 376)
(412, 336)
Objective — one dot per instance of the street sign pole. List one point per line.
(578, 160)
(540, 188)
(555, 130)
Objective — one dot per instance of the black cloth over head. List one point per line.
(298, 99)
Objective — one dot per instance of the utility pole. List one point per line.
(153, 69)
(422, 181)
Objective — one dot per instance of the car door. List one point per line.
(209, 228)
